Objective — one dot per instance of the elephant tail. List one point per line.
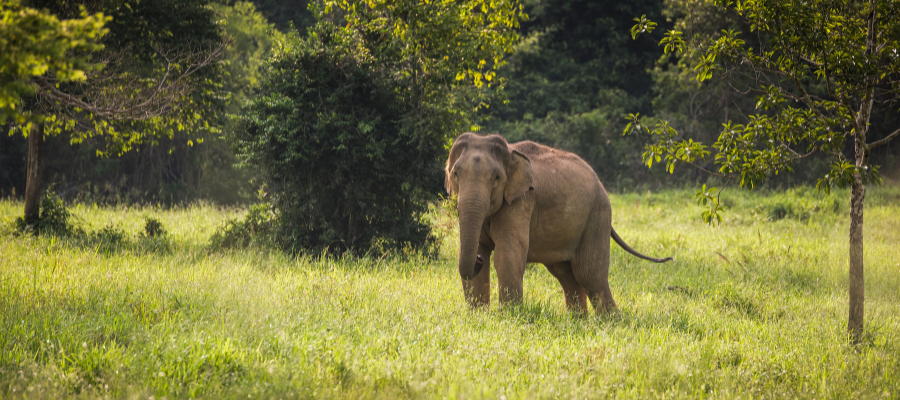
(633, 252)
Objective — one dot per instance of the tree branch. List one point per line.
(720, 175)
(884, 141)
(111, 95)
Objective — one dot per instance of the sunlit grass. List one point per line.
(755, 308)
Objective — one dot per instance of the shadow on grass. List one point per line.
(111, 240)
(56, 222)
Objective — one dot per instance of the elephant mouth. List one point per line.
(479, 263)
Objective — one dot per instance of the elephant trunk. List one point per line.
(472, 210)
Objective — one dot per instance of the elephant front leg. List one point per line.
(478, 289)
(509, 262)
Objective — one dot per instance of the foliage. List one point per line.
(34, 43)
(166, 163)
(153, 228)
(350, 124)
(256, 228)
(253, 37)
(340, 170)
(159, 76)
(763, 320)
(440, 43)
(53, 218)
(817, 70)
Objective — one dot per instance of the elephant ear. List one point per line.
(519, 177)
(447, 183)
(458, 148)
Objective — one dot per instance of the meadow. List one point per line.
(753, 308)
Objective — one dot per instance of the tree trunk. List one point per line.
(857, 197)
(33, 173)
(857, 286)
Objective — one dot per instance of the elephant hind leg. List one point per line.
(594, 279)
(601, 297)
(596, 285)
(591, 264)
(576, 298)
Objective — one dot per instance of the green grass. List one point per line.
(127, 316)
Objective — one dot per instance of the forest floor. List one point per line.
(753, 308)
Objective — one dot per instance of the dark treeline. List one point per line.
(577, 72)
(575, 75)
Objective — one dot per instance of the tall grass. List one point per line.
(755, 308)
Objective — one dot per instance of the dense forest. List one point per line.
(575, 74)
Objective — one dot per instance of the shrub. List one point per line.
(53, 218)
(349, 164)
(257, 227)
(153, 228)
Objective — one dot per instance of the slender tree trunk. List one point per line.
(858, 195)
(857, 198)
(33, 172)
(857, 284)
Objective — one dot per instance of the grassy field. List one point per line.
(755, 308)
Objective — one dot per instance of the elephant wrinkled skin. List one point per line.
(528, 203)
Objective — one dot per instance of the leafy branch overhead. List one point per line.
(110, 74)
(35, 43)
(818, 70)
(447, 42)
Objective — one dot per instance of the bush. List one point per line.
(257, 227)
(53, 218)
(153, 228)
(349, 164)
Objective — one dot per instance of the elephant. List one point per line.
(529, 203)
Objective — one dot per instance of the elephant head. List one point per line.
(484, 173)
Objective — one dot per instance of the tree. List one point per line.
(820, 70)
(350, 125)
(164, 170)
(133, 67)
(34, 43)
